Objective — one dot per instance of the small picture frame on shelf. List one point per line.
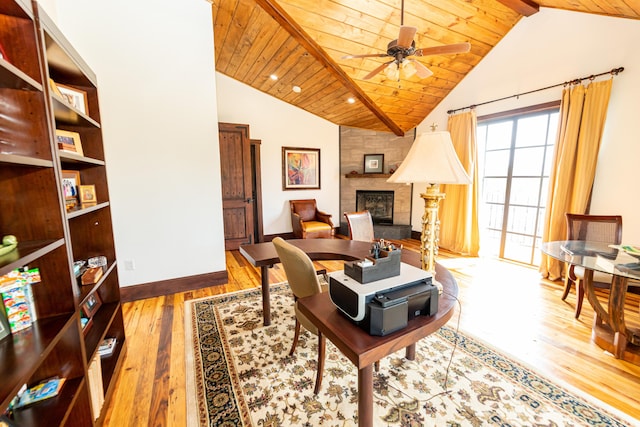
(70, 184)
(373, 163)
(91, 305)
(74, 97)
(87, 194)
(69, 141)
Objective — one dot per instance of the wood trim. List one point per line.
(285, 236)
(523, 7)
(278, 13)
(257, 188)
(519, 111)
(172, 286)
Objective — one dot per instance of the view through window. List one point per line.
(515, 155)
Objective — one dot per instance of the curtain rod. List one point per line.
(613, 72)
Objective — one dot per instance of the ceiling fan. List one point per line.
(403, 47)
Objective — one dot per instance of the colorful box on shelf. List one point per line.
(17, 297)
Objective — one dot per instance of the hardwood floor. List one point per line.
(506, 305)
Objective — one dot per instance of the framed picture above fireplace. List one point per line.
(373, 163)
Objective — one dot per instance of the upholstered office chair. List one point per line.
(598, 228)
(308, 222)
(360, 225)
(304, 282)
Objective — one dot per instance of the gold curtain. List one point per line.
(459, 230)
(583, 111)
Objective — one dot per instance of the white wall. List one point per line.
(160, 128)
(279, 125)
(154, 62)
(555, 46)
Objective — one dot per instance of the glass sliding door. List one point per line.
(515, 155)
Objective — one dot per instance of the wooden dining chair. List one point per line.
(597, 228)
(360, 226)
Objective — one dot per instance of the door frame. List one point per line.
(256, 188)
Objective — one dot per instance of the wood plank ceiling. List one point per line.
(302, 42)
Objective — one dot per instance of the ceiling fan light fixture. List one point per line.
(408, 68)
(273, 77)
(392, 71)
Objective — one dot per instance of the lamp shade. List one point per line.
(433, 160)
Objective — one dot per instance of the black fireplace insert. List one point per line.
(378, 203)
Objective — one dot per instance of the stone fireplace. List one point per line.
(395, 222)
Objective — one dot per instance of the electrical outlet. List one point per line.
(129, 264)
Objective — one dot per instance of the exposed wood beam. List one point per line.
(523, 7)
(296, 31)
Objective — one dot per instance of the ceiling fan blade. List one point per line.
(444, 50)
(406, 35)
(377, 70)
(367, 55)
(422, 71)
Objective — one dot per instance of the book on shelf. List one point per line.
(107, 346)
(45, 390)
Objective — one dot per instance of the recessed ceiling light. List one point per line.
(273, 77)
(351, 101)
(296, 89)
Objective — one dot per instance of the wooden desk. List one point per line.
(264, 255)
(362, 349)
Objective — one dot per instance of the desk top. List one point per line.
(364, 349)
(264, 254)
(595, 256)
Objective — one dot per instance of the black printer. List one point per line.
(385, 306)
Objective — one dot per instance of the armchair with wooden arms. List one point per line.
(308, 222)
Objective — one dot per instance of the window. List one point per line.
(515, 155)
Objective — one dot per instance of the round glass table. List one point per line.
(610, 330)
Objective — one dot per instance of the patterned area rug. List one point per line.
(239, 373)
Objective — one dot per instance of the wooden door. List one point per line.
(237, 198)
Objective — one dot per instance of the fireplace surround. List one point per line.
(379, 203)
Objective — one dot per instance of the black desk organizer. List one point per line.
(386, 265)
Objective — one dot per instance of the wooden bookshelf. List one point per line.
(33, 208)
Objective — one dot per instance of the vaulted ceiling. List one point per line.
(303, 42)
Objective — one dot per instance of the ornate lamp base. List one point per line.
(430, 228)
